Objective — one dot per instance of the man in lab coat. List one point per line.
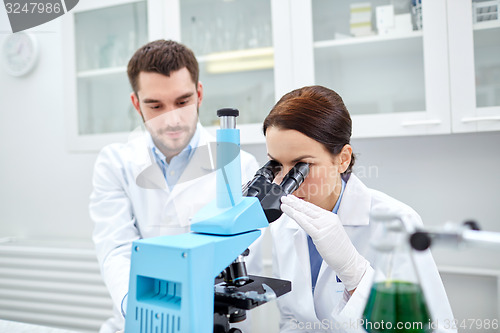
(153, 184)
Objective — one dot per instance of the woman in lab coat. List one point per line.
(321, 243)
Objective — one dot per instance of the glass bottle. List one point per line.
(396, 302)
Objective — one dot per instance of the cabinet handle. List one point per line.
(421, 122)
(476, 119)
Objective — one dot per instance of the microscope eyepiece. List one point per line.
(269, 193)
(263, 178)
(228, 112)
(268, 170)
(295, 177)
(228, 118)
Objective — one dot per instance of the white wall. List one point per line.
(44, 189)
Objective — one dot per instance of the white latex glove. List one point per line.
(330, 239)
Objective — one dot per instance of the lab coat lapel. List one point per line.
(300, 243)
(325, 291)
(146, 172)
(354, 210)
(356, 203)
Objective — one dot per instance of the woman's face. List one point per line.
(323, 185)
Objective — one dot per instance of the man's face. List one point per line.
(169, 107)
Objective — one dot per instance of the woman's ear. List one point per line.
(345, 158)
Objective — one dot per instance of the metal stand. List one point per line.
(455, 235)
(232, 302)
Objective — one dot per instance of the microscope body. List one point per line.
(172, 280)
(171, 286)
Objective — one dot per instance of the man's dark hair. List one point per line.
(163, 57)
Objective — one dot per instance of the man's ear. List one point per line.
(200, 93)
(345, 158)
(135, 103)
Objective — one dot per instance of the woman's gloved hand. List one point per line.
(330, 239)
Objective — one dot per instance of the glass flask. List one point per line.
(396, 302)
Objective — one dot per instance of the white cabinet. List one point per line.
(430, 70)
(98, 40)
(440, 79)
(393, 78)
(233, 41)
(474, 39)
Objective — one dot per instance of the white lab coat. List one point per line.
(300, 309)
(131, 201)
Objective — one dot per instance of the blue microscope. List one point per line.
(197, 282)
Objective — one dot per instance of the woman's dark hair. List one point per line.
(316, 112)
(163, 57)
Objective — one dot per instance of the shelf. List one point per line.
(366, 39)
(96, 5)
(495, 24)
(238, 60)
(237, 54)
(249, 59)
(374, 51)
(101, 72)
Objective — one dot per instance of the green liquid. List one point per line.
(396, 307)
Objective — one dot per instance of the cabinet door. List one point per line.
(98, 41)
(388, 60)
(233, 42)
(474, 28)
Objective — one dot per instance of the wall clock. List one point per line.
(19, 53)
